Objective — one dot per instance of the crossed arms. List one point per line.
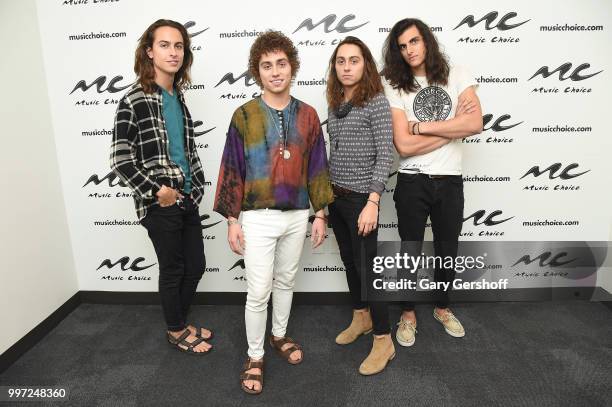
(433, 135)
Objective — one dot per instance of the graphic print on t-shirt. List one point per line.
(432, 104)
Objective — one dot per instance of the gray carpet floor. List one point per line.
(514, 354)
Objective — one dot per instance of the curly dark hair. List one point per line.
(398, 72)
(143, 66)
(271, 41)
(369, 86)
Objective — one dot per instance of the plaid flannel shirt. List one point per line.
(139, 151)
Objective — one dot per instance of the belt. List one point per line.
(431, 176)
(340, 191)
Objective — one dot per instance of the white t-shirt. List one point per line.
(433, 103)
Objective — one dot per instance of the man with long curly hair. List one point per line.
(433, 106)
(274, 166)
(153, 151)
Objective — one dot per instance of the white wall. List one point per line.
(37, 274)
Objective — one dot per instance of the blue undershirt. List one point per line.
(173, 118)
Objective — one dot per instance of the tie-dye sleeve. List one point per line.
(232, 172)
(319, 185)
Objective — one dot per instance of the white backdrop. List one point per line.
(539, 121)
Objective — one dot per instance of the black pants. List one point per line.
(419, 196)
(176, 233)
(343, 215)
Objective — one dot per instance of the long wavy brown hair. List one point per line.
(143, 65)
(398, 72)
(369, 86)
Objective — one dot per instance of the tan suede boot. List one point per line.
(360, 325)
(382, 352)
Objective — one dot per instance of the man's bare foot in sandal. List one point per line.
(252, 376)
(186, 341)
(287, 348)
(204, 333)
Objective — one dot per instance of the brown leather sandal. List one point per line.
(198, 332)
(248, 365)
(278, 345)
(188, 347)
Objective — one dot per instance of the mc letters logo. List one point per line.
(545, 259)
(229, 78)
(239, 263)
(489, 220)
(564, 72)
(489, 19)
(99, 83)
(190, 24)
(125, 264)
(210, 225)
(198, 123)
(554, 171)
(327, 22)
(112, 179)
(498, 123)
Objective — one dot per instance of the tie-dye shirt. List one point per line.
(254, 174)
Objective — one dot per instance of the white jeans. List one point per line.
(273, 246)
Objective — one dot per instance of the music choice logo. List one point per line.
(88, 2)
(490, 23)
(432, 104)
(544, 260)
(498, 125)
(239, 263)
(191, 24)
(489, 20)
(555, 171)
(481, 218)
(565, 72)
(231, 79)
(240, 266)
(209, 225)
(205, 226)
(125, 264)
(197, 133)
(112, 180)
(391, 181)
(327, 22)
(101, 86)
